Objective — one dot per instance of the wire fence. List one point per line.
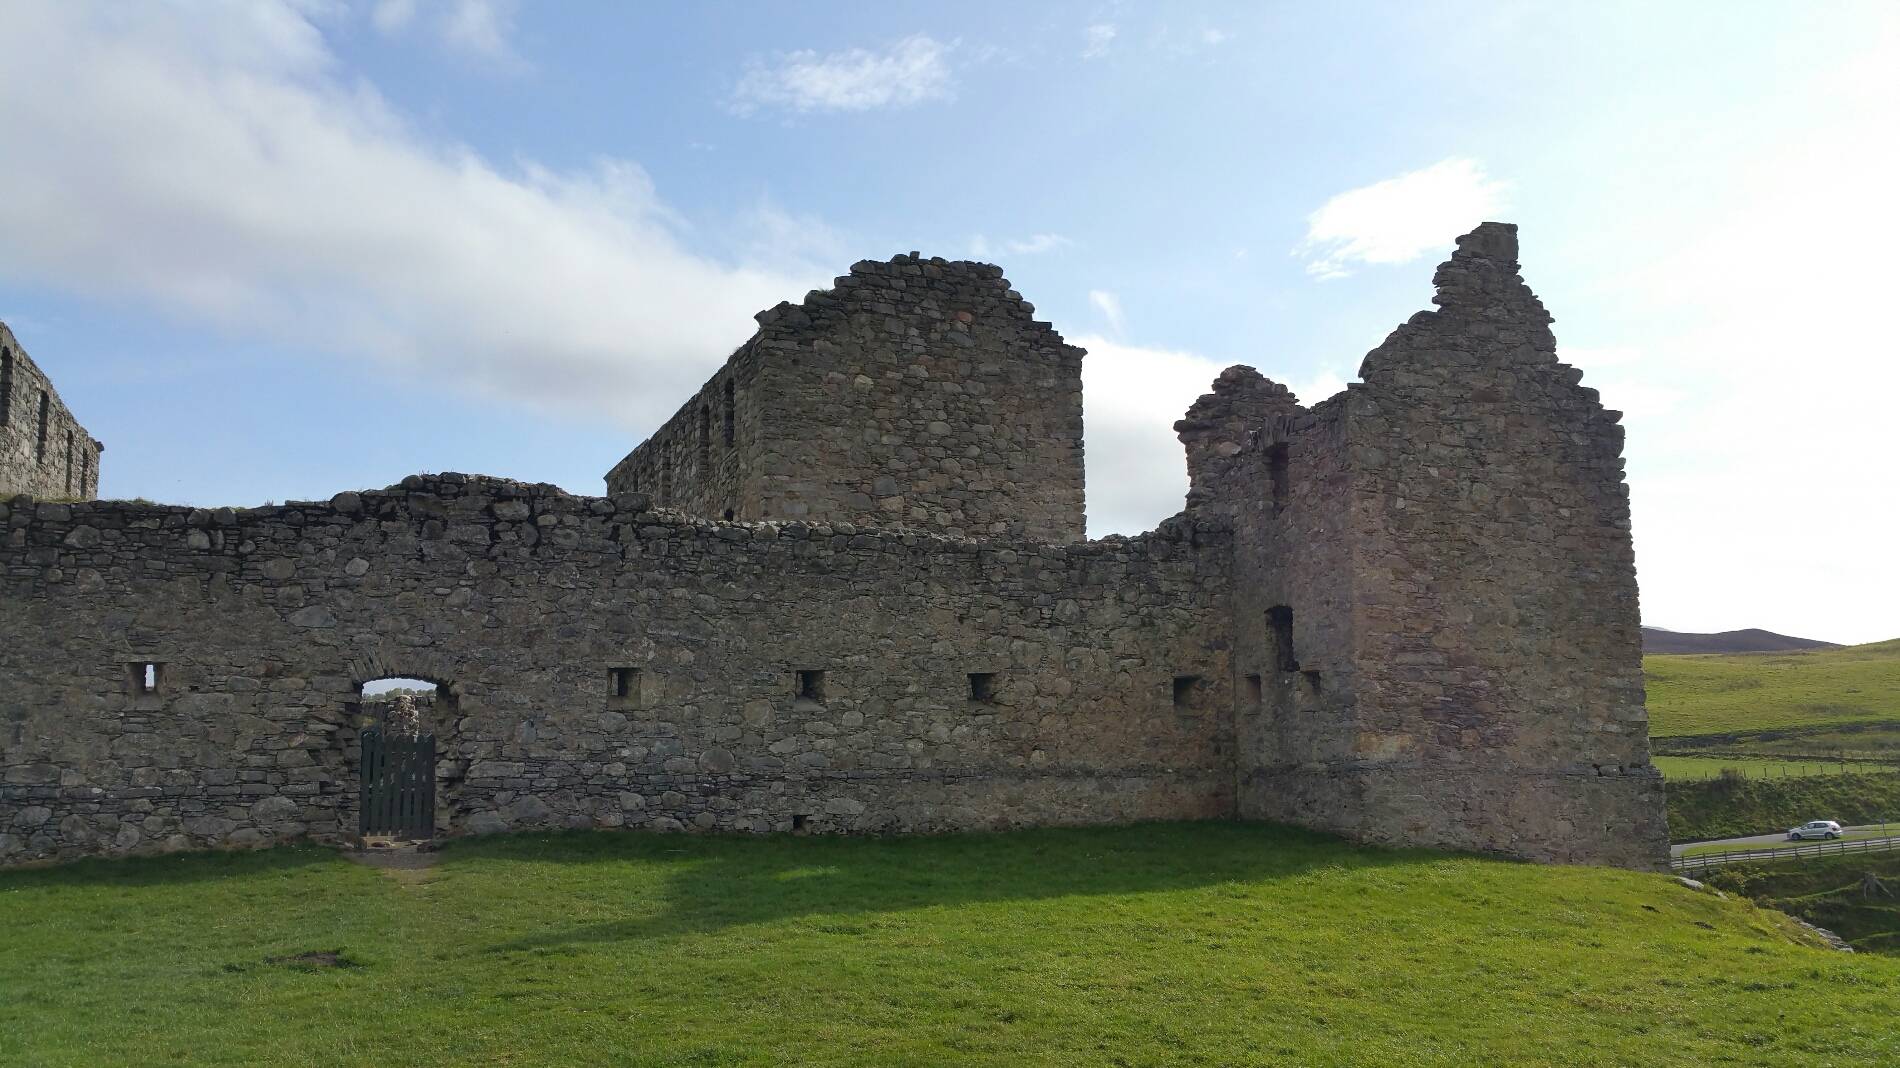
(1702, 861)
(1697, 768)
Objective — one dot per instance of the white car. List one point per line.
(1815, 829)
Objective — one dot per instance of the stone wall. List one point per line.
(523, 602)
(43, 449)
(916, 393)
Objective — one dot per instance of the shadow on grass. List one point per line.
(714, 883)
(167, 870)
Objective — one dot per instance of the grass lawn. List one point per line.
(1696, 768)
(1195, 944)
(1739, 693)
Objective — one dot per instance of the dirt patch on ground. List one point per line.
(405, 865)
(314, 959)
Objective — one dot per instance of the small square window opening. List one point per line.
(983, 687)
(811, 687)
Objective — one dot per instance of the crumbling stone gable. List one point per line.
(916, 393)
(43, 449)
(1453, 546)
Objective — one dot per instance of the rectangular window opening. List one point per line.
(1280, 628)
(1277, 475)
(983, 687)
(1187, 693)
(39, 450)
(705, 440)
(811, 687)
(145, 678)
(69, 463)
(6, 385)
(625, 682)
(1256, 691)
(798, 823)
(732, 429)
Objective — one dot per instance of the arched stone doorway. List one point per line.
(402, 730)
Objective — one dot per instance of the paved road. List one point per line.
(1770, 841)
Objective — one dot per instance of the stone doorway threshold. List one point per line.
(404, 861)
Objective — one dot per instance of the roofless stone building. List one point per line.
(845, 589)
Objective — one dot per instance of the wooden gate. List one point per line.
(398, 785)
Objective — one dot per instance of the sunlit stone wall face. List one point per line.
(44, 451)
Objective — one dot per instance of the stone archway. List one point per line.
(439, 712)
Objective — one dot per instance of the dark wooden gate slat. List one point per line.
(398, 785)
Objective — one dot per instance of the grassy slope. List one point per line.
(1729, 809)
(1690, 695)
(1195, 944)
(1826, 892)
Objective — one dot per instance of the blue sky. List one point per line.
(278, 249)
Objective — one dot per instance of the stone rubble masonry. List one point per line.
(43, 449)
(915, 394)
(1406, 614)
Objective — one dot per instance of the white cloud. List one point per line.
(982, 247)
(1096, 39)
(222, 171)
(1767, 496)
(1110, 306)
(392, 16)
(911, 71)
(1131, 396)
(1212, 37)
(1399, 219)
(478, 29)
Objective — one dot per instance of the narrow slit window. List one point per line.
(732, 415)
(810, 687)
(6, 386)
(1187, 693)
(1256, 692)
(1280, 628)
(705, 440)
(39, 450)
(145, 678)
(1277, 475)
(85, 474)
(69, 463)
(983, 687)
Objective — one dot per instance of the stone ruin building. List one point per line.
(846, 589)
(44, 452)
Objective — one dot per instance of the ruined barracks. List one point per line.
(846, 589)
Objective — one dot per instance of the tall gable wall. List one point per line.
(44, 451)
(916, 393)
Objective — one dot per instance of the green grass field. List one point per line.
(1196, 944)
(1743, 693)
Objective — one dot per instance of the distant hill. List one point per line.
(1800, 689)
(1658, 640)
